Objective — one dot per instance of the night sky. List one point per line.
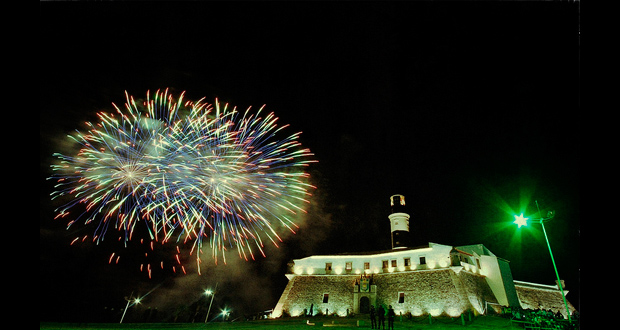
(469, 110)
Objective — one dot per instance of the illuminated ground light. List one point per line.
(435, 309)
(416, 311)
(453, 311)
(296, 312)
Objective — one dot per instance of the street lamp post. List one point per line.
(125, 311)
(136, 301)
(522, 221)
(212, 294)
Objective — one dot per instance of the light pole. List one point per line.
(212, 294)
(520, 220)
(135, 301)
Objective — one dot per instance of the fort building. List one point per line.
(433, 279)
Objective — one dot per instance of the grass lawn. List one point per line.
(481, 322)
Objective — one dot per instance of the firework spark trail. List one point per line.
(189, 172)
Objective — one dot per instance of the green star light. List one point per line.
(520, 220)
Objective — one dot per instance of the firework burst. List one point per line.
(188, 172)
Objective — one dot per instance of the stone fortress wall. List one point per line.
(435, 292)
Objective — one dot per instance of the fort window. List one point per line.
(328, 266)
(422, 260)
(367, 265)
(348, 266)
(407, 262)
(401, 297)
(325, 298)
(394, 263)
(385, 264)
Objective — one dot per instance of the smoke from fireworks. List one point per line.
(187, 172)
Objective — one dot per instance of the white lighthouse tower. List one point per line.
(399, 222)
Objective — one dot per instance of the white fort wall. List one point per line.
(435, 280)
(434, 292)
(417, 281)
(435, 256)
(472, 258)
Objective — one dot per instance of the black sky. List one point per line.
(458, 106)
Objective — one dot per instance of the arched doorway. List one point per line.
(364, 305)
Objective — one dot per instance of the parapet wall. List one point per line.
(538, 297)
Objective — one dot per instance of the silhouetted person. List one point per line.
(381, 316)
(390, 315)
(311, 307)
(373, 317)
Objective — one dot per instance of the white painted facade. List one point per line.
(435, 256)
(475, 259)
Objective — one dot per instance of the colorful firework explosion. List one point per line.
(187, 172)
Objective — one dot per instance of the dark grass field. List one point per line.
(481, 322)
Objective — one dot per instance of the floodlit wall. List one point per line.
(434, 292)
(539, 296)
(478, 292)
(304, 292)
(424, 292)
(417, 281)
(489, 267)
